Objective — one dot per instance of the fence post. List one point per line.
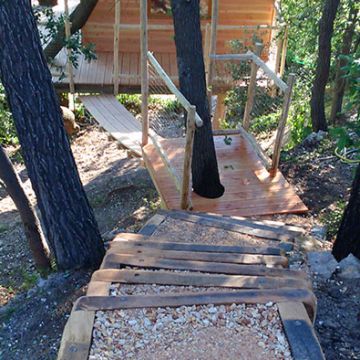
(189, 141)
(68, 52)
(144, 73)
(282, 124)
(284, 51)
(116, 46)
(207, 48)
(251, 89)
(213, 38)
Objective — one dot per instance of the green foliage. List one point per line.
(50, 25)
(132, 102)
(7, 129)
(332, 218)
(352, 75)
(265, 123)
(165, 103)
(29, 280)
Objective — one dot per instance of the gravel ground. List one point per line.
(196, 332)
(183, 231)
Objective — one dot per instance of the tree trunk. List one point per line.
(67, 218)
(33, 233)
(326, 28)
(78, 19)
(205, 173)
(348, 237)
(340, 81)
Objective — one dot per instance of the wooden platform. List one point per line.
(243, 273)
(115, 119)
(249, 188)
(97, 75)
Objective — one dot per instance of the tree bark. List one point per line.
(33, 233)
(68, 220)
(205, 173)
(340, 81)
(326, 27)
(78, 19)
(348, 237)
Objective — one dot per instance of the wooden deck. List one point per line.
(97, 75)
(115, 119)
(249, 188)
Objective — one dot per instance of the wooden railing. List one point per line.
(286, 88)
(182, 183)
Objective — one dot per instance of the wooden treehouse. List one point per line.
(118, 22)
(140, 49)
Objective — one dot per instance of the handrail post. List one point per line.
(68, 52)
(213, 38)
(116, 46)
(144, 72)
(251, 89)
(189, 141)
(282, 124)
(284, 51)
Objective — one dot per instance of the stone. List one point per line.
(319, 232)
(349, 268)
(322, 263)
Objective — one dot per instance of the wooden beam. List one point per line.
(107, 303)
(228, 57)
(251, 89)
(143, 242)
(125, 276)
(185, 193)
(284, 51)
(282, 124)
(122, 248)
(144, 71)
(280, 83)
(70, 68)
(207, 40)
(116, 46)
(213, 38)
(114, 260)
(220, 110)
(300, 332)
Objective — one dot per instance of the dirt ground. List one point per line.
(33, 310)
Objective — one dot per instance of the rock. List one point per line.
(322, 263)
(349, 268)
(319, 232)
(314, 138)
(70, 124)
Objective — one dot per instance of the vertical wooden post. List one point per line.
(213, 38)
(207, 48)
(70, 69)
(282, 124)
(284, 51)
(189, 141)
(251, 89)
(144, 72)
(220, 110)
(116, 46)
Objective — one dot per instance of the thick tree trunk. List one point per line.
(340, 81)
(348, 237)
(67, 218)
(34, 235)
(78, 19)
(326, 28)
(205, 173)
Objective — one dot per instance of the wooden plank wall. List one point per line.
(99, 28)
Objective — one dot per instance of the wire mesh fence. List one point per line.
(167, 116)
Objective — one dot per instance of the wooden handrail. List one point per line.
(116, 46)
(172, 87)
(252, 57)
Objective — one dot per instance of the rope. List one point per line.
(343, 157)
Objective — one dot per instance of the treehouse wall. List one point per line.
(100, 25)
